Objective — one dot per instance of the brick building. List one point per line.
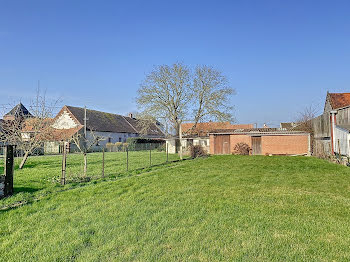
(262, 141)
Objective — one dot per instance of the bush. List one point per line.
(241, 149)
(197, 151)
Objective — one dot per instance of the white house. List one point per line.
(111, 127)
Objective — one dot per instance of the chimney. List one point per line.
(130, 115)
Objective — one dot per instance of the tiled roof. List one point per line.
(256, 131)
(339, 100)
(202, 129)
(108, 122)
(64, 134)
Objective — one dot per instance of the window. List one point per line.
(109, 140)
(120, 139)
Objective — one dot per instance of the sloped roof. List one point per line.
(339, 100)
(202, 129)
(256, 131)
(19, 110)
(108, 122)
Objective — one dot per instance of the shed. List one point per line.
(262, 141)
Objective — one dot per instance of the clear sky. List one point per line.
(280, 56)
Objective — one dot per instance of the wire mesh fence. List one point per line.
(114, 161)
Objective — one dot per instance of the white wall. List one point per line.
(341, 141)
(64, 121)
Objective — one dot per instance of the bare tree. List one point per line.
(303, 122)
(172, 94)
(84, 144)
(28, 132)
(166, 93)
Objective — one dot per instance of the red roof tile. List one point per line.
(339, 100)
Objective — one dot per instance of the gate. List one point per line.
(221, 144)
(256, 145)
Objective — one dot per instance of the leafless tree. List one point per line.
(84, 144)
(172, 94)
(303, 121)
(28, 132)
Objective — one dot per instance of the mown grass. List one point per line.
(41, 174)
(222, 208)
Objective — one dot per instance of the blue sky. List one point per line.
(280, 56)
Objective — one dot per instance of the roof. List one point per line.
(203, 129)
(108, 122)
(19, 109)
(64, 134)
(339, 100)
(257, 131)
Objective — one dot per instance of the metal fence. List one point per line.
(114, 161)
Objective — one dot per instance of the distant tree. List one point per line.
(28, 133)
(173, 94)
(303, 121)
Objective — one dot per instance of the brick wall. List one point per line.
(286, 144)
(234, 139)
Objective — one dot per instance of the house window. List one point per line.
(109, 140)
(120, 139)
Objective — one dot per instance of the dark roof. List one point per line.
(339, 100)
(19, 110)
(108, 122)
(257, 131)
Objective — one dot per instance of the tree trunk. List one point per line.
(85, 164)
(25, 157)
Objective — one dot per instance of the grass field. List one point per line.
(221, 208)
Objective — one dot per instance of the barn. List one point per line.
(262, 141)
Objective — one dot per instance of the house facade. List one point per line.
(111, 128)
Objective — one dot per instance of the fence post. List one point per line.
(9, 170)
(103, 162)
(127, 159)
(150, 155)
(64, 164)
(167, 152)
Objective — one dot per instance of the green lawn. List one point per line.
(221, 208)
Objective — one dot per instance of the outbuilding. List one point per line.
(262, 141)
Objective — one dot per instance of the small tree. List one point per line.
(84, 144)
(304, 122)
(28, 132)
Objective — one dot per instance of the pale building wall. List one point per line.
(64, 121)
(341, 138)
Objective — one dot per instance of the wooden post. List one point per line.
(9, 170)
(180, 137)
(150, 155)
(64, 164)
(167, 152)
(127, 159)
(103, 162)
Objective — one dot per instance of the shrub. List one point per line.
(197, 151)
(241, 149)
